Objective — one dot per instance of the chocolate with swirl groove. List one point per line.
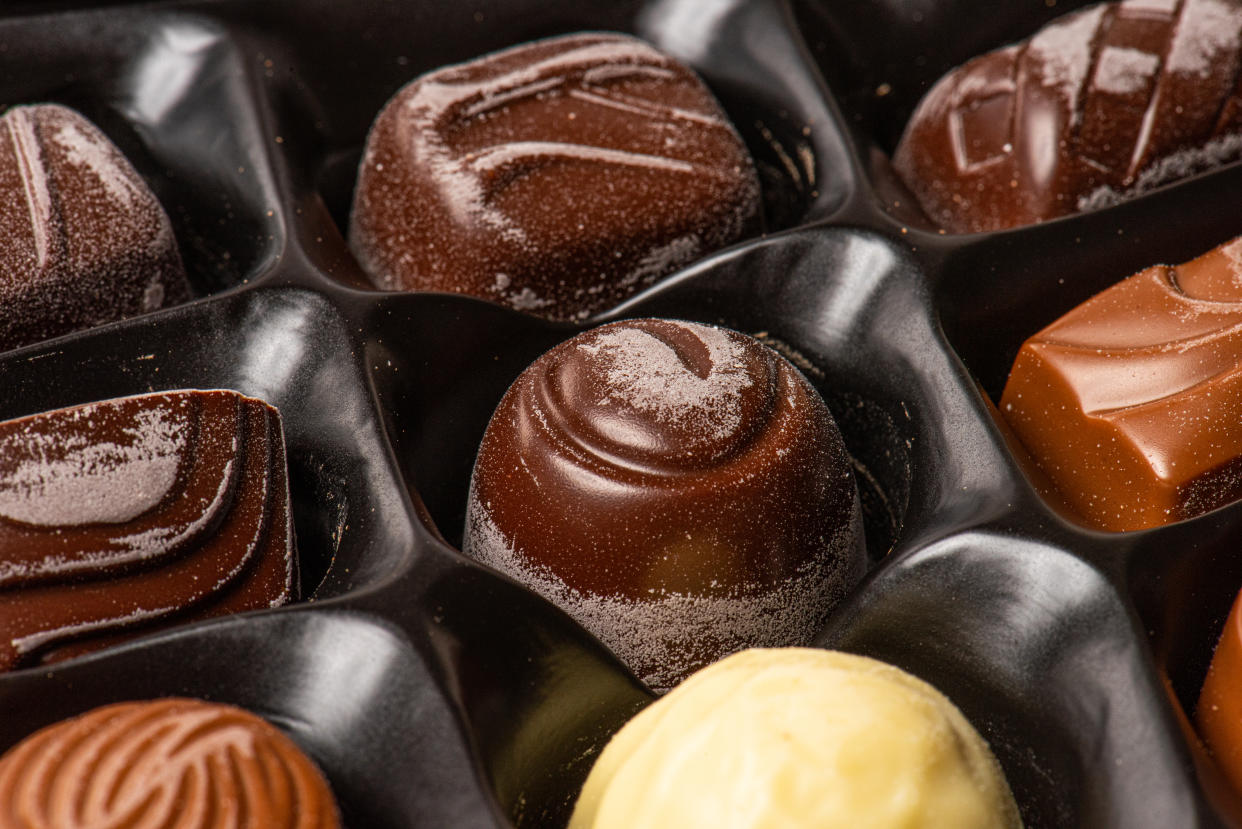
(558, 177)
(679, 489)
(169, 762)
(1100, 104)
(123, 515)
(1132, 402)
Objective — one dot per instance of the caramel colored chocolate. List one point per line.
(1218, 716)
(558, 177)
(1099, 105)
(119, 516)
(169, 762)
(679, 489)
(85, 240)
(1132, 402)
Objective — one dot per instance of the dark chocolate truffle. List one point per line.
(1132, 402)
(679, 489)
(1099, 105)
(136, 512)
(558, 177)
(85, 240)
(168, 762)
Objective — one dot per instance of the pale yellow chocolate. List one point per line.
(798, 737)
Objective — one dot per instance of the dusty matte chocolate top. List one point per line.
(1132, 402)
(558, 177)
(679, 489)
(140, 511)
(1100, 104)
(85, 240)
(168, 762)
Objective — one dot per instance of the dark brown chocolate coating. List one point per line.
(165, 763)
(85, 240)
(141, 511)
(679, 489)
(1132, 402)
(1100, 104)
(558, 177)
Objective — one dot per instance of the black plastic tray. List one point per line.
(436, 693)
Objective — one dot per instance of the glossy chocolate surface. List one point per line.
(1100, 104)
(557, 177)
(86, 241)
(1075, 652)
(1131, 402)
(168, 762)
(679, 489)
(119, 516)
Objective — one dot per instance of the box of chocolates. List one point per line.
(520, 414)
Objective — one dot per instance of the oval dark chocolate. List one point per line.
(85, 240)
(1098, 105)
(679, 489)
(557, 177)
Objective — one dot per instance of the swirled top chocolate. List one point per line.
(679, 489)
(1100, 104)
(168, 762)
(119, 516)
(558, 177)
(1132, 402)
(85, 240)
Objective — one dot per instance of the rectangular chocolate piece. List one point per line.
(1132, 402)
(123, 515)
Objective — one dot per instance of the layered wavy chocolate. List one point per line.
(169, 762)
(1132, 401)
(85, 240)
(141, 511)
(557, 177)
(1100, 104)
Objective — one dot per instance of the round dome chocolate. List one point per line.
(679, 489)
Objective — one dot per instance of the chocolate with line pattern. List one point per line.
(1099, 105)
(557, 177)
(120, 516)
(165, 762)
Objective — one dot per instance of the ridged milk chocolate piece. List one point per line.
(1132, 402)
(122, 515)
(85, 240)
(168, 762)
(679, 489)
(1100, 104)
(558, 177)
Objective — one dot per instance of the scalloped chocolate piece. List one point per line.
(1132, 402)
(557, 177)
(1098, 106)
(85, 240)
(122, 515)
(167, 762)
(679, 489)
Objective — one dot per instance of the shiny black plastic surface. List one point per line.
(435, 693)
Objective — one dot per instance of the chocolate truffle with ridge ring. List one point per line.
(679, 489)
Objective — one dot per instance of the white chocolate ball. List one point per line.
(798, 737)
